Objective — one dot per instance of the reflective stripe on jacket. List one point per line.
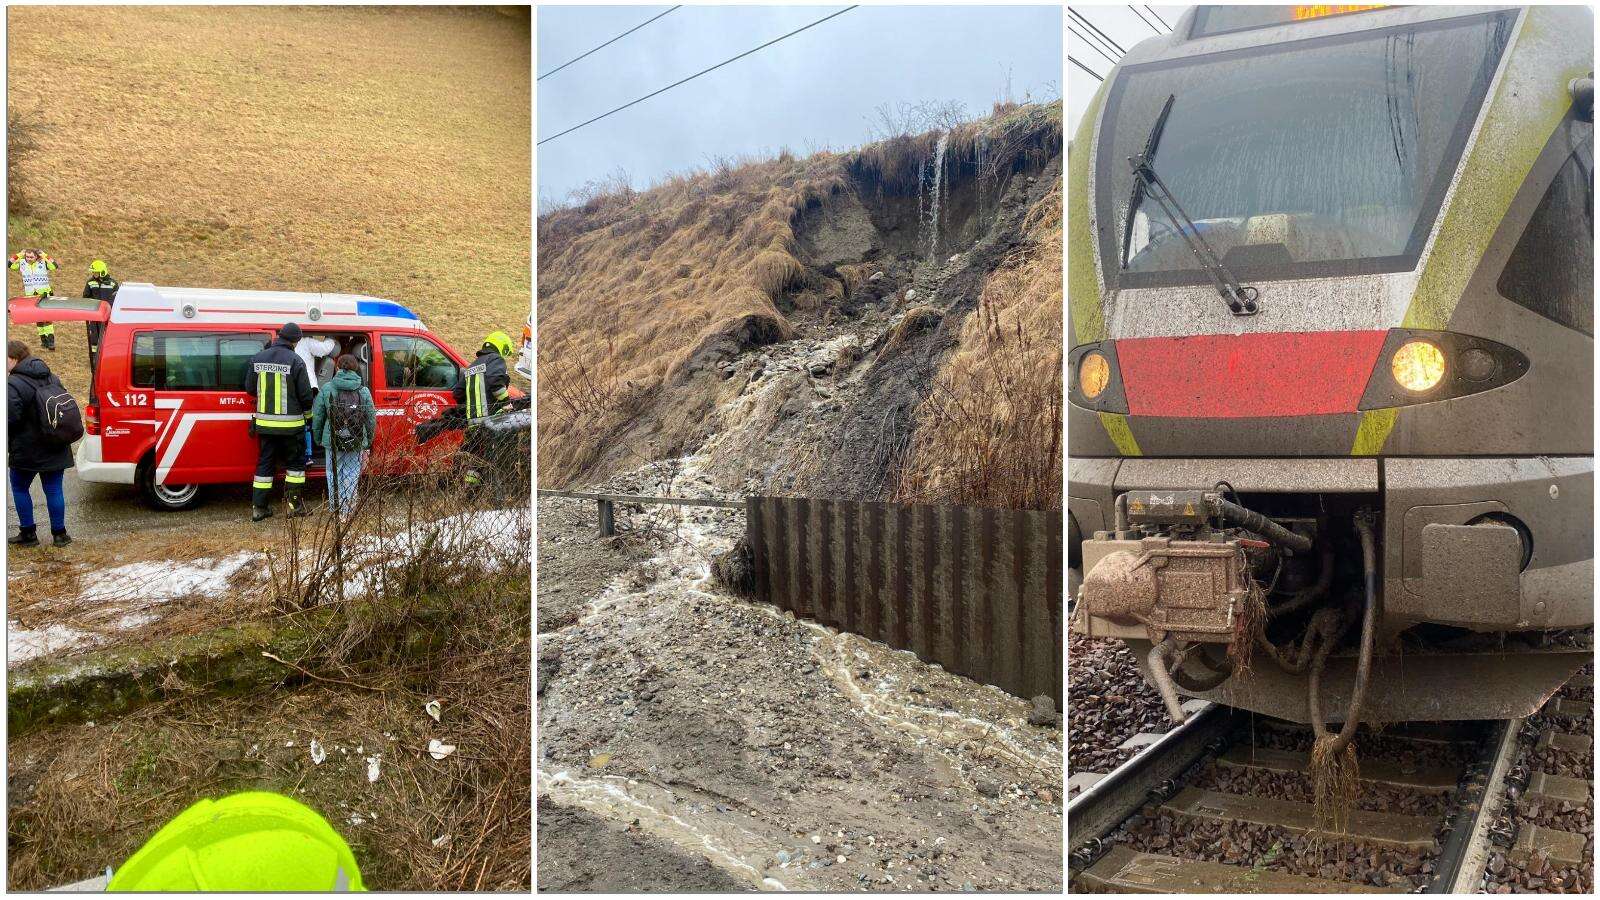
(484, 385)
(276, 378)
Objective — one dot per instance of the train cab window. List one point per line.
(416, 363)
(1299, 159)
(193, 361)
(1551, 270)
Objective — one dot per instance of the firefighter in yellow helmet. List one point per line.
(100, 286)
(35, 267)
(485, 385)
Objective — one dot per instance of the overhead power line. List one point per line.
(1104, 48)
(1144, 20)
(1074, 61)
(697, 74)
(1158, 18)
(1084, 20)
(1072, 27)
(606, 44)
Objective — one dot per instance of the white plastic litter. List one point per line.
(439, 750)
(433, 709)
(373, 762)
(318, 755)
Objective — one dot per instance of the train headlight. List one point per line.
(1094, 373)
(1418, 366)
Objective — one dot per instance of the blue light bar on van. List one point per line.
(384, 308)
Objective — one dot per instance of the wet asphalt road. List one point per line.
(113, 510)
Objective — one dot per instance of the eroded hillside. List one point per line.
(807, 325)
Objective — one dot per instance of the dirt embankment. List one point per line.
(778, 752)
(789, 319)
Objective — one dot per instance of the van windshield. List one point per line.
(1312, 158)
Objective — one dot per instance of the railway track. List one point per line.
(1223, 804)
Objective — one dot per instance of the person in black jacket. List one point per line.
(483, 387)
(276, 379)
(28, 452)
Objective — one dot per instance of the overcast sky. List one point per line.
(816, 90)
(1124, 28)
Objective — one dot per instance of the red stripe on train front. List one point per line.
(1235, 376)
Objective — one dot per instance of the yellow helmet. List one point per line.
(501, 342)
(98, 267)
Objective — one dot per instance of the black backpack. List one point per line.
(347, 424)
(60, 419)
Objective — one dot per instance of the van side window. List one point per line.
(415, 363)
(1551, 271)
(193, 361)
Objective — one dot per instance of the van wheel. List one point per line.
(166, 497)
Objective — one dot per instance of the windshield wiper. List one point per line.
(1241, 299)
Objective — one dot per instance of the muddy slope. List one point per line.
(784, 754)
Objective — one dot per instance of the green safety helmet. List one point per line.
(252, 841)
(98, 267)
(501, 342)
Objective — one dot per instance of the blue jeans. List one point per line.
(54, 498)
(344, 474)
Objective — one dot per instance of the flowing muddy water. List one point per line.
(785, 754)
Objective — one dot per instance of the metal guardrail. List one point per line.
(607, 504)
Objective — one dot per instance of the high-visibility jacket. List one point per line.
(101, 287)
(483, 386)
(35, 275)
(276, 378)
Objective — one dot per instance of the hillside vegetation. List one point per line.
(372, 150)
(725, 311)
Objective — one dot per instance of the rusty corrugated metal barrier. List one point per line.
(975, 590)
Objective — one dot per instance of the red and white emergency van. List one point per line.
(167, 409)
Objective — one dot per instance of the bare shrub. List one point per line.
(990, 431)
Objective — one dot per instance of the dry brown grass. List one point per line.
(369, 150)
(990, 432)
(633, 283)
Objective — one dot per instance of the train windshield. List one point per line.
(1313, 158)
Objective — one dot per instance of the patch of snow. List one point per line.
(23, 644)
(158, 581)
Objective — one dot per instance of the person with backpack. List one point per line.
(344, 419)
(44, 421)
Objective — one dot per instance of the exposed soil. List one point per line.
(603, 856)
(779, 752)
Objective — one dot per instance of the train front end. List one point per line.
(1331, 306)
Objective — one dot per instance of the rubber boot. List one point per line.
(297, 504)
(257, 513)
(25, 537)
(60, 538)
(49, 341)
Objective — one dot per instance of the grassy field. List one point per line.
(352, 149)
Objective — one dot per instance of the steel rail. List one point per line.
(1110, 801)
(1466, 849)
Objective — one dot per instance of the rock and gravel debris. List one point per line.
(1538, 874)
(781, 753)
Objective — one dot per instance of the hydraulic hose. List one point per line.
(1364, 661)
(1158, 671)
(1254, 521)
(1312, 593)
